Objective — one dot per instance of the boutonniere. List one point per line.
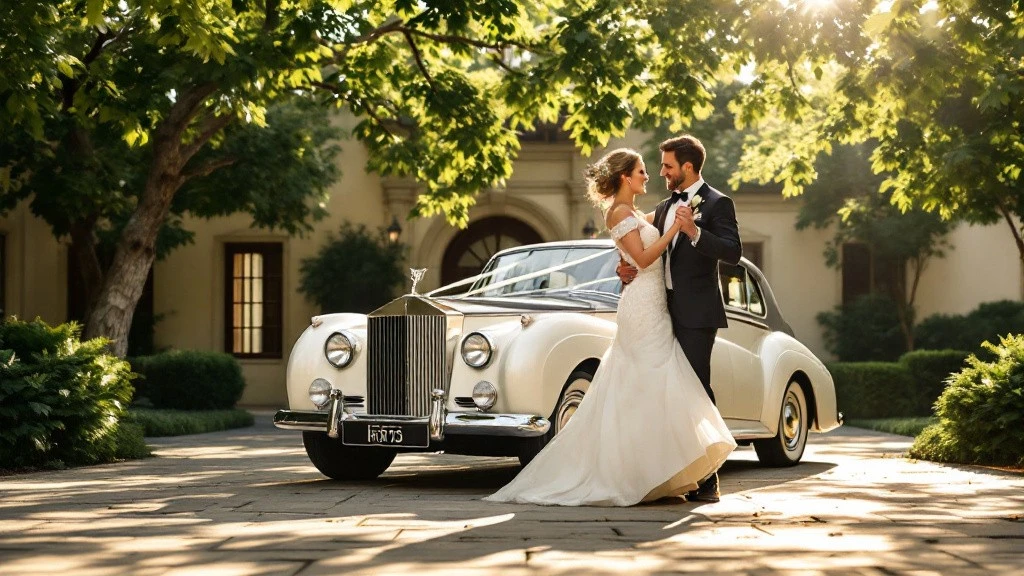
(695, 203)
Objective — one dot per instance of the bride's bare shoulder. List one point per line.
(617, 213)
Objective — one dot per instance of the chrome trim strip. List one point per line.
(455, 423)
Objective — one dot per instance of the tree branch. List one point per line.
(272, 15)
(398, 26)
(210, 126)
(455, 39)
(185, 110)
(1013, 227)
(208, 168)
(419, 60)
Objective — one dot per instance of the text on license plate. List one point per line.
(369, 434)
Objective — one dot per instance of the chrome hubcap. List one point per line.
(792, 421)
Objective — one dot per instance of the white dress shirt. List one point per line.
(670, 217)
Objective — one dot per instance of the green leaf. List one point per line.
(94, 12)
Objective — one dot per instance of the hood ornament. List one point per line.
(417, 275)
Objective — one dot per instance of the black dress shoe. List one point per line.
(706, 492)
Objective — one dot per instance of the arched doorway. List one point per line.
(471, 248)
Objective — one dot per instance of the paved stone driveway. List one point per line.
(248, 502)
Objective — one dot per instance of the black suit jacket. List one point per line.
(697, 293)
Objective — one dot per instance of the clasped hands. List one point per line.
(683, 222)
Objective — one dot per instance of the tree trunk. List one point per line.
(111, 317)
(136, 247)
(83, 250)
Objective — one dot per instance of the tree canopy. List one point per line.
(120, 114)
(934, 87)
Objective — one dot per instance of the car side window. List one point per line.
(755, 303)
(734, 286)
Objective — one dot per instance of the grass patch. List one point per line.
(179, 422)
(910, 426)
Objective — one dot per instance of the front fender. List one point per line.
(541, 358)
(307, 361)
(787, 359)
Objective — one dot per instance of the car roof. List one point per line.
(587, 243)
(774, 316)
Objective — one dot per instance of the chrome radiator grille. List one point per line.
(405, 361)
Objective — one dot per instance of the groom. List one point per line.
(709, 234)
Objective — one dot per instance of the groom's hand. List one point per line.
(625, 272)
(684, 215)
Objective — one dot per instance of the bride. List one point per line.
(646, 429)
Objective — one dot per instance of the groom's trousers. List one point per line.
(697, 344)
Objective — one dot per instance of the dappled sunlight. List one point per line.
(224, 504)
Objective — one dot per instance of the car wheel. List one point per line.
(787, 447)
(340, 462)
(575, 389)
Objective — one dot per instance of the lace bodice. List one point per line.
(648, 235)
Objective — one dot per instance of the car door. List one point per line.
(740, 344)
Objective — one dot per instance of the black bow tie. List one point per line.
(677, 196)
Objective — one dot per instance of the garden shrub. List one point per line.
(355, 271)
(868, 329)
(986, 323)
(873, 389)
(189, 380)
(929, 370)
(981, 411)
(62, 400)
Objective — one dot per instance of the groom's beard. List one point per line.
(674, 184)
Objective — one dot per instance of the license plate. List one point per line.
(369, 434)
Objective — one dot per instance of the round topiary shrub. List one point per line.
(355, 271)
(868, 329)
(62, 400)
(981, 411)
(190, 380)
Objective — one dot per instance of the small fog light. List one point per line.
(320, 392)
(484, 395)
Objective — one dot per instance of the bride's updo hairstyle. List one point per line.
(603, 177)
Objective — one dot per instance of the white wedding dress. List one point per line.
(646, 428)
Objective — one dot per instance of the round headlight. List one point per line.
(320, 392)
(476, 350)
(484, 395)
(340, 349)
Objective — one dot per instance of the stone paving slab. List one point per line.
(248, 502)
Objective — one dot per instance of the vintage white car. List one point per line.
(500, 368)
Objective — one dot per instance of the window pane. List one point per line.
(856, 271)
(254, 294)
(755, 302)
(734, 290)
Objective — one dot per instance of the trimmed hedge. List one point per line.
(179, 422)
(981, 411)
(908, 387)
(986, 323)
(62, 400)
(930, 369)
(189, 380)
(873, 389)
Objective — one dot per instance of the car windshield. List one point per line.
(547, 269)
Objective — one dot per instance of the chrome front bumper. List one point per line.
(440, 422)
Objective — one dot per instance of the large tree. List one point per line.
(935, 87)
(845, 198)
(116, 108)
